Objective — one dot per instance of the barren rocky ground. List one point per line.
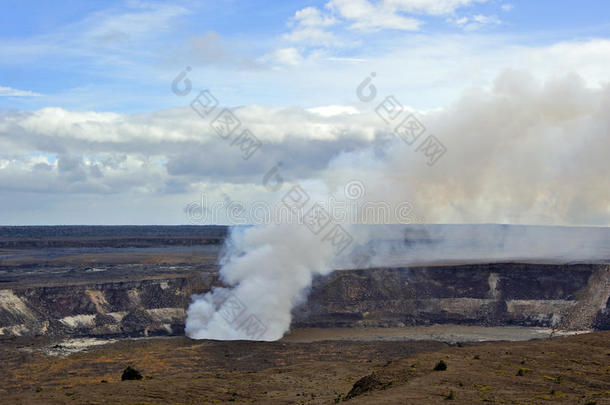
(177, 370)
(364, 335)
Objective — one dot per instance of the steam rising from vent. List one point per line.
(269, 269)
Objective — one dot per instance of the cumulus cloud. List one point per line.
(522, 151)
(309, 24)
(364, 15)
(100, 148)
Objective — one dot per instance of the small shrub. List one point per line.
(38, 389)
(521, 372)
(440, 366)
(477, 357)
(131, 373)
(450, 396)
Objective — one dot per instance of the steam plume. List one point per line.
(270, 268)
(521, 153)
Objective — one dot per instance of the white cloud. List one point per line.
(367, 16)
(486, 19)
(476, 22)
(312, 36)
(310, 25)
(431, 7)
(312, 17)
(333, 110)
(344, 59)
(283, 56)
(507, 7)
(426, 71)
(10, 92)
(510, 154)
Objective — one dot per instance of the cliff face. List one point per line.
(130, 308)
(568, 296)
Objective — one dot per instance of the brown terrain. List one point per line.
(177, 370)
(370, 335)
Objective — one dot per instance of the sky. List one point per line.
(97, 127)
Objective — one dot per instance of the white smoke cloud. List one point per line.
(396, 245)
(269, 269)
(522, 152)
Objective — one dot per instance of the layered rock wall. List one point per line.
(565, 296)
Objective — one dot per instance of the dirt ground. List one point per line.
(567, 370)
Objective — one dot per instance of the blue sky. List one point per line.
(119, 55)
(517, 90)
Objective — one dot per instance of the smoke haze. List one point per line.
(519, 153)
